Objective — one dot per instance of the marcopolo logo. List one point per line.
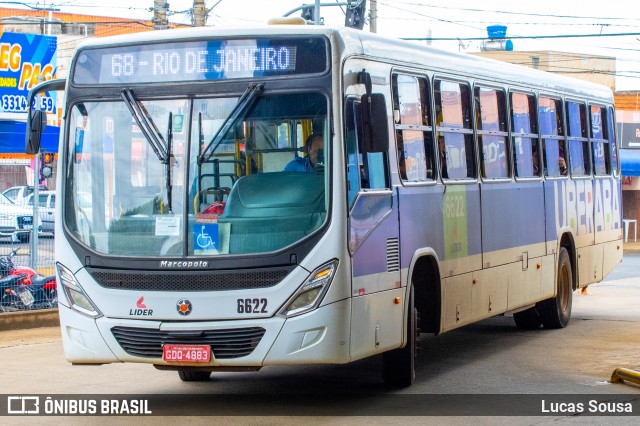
(189, 264)
(184, 307)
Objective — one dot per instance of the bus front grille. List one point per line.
(189, 281)
(225, 344)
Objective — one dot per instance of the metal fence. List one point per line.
(27, 231)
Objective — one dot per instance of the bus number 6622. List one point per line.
(255, 306)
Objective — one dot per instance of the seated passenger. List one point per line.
(562, 166)
(308, 163)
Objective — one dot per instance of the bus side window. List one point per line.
(600, 141)
(414, 140)
(364, 171)
(524, 133)
(353, 156)
(553, 140)
(612, 141)
(491, 124)
(577, 137)
(455, 130)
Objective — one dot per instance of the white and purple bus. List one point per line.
(201, 228)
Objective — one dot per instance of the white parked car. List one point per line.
(46, 209)
(15, 221)
(19, 194)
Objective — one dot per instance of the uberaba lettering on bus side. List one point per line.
(190, 264)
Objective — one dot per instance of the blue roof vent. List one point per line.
(497, 31)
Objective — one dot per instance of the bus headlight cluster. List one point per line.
(310, 293)
(78, 300)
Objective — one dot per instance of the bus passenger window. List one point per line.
(454, 129)
(600, 141)
(414, 143)
(492, 132)
(577, 137)
(553, 140)
(612, 141)
(524, 135)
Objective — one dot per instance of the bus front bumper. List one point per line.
(320, 336)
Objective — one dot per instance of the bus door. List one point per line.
(373, 244)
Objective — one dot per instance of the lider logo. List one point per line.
(140, 303)
(141, 309)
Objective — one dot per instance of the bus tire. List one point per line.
(556, 312)
(398, 365)
(194, 375)
(528, 319)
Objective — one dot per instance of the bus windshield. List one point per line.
(196, 176)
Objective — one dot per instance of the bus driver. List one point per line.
(307, 164)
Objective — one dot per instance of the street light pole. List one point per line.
(316, 15)
(35, 219)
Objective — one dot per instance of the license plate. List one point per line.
(26, 297)
(186, 353)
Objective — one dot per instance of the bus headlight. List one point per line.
(310, 293)
(78, 300)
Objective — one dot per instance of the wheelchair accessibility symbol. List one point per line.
(205, 237)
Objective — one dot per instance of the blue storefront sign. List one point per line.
(26, 60)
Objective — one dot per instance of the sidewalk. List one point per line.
(29, 319)
(631, 246)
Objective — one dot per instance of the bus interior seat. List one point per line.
(268, 211)
(134, 234)
(135, 230)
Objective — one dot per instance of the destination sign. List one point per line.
(200, 60)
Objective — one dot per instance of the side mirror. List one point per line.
(375, 126)
(36, 123)
(37, 119)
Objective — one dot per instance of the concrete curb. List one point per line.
(29, 319)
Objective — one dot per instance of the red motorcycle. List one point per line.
(43, 289)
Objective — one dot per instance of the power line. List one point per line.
(634, 34)
(507, 23)
(506, 12)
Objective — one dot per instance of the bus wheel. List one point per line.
(556, 312)
(399, 364)
(528, 319)
(194, 375)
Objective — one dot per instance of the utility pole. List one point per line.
(199, 18)
(373, 16)
(160, 21)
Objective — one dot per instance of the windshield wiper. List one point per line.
(146, 125)
(244, 103)
(168, 165)
(150, 131)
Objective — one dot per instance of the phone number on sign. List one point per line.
(18, 103)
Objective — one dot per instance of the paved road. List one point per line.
(491, 357)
